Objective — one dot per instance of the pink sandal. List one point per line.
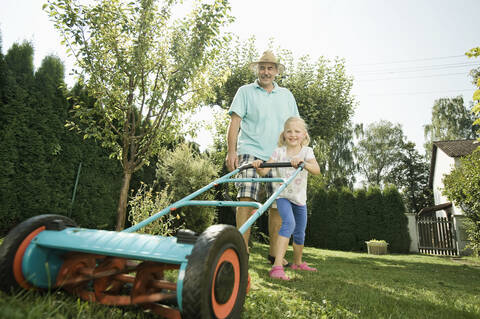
(277, 272)
(303, 266)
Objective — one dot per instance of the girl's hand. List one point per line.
(257, 163)
(295, 162)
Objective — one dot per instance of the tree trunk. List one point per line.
(122, 203)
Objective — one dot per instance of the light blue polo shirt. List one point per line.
(263, 116)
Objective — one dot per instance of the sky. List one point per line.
(402, 55)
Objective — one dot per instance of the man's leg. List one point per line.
(243, 214)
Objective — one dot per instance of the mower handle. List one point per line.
(271, 165)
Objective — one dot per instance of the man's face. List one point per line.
(266, 74)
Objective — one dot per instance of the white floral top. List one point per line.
(296, 191)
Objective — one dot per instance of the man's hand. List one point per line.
(231, 161)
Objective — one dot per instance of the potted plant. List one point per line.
(377, 247)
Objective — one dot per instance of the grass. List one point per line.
(347, 285)
(358, 285)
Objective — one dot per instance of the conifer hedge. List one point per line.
(40, 157)
(344, 220)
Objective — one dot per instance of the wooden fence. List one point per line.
(436, 235)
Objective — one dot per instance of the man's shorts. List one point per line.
(256, 191)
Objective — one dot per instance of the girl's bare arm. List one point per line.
(311, 165)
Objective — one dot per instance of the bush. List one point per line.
(183, 172)
(146, 203)
(462, 186)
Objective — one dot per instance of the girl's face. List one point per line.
(294, 133)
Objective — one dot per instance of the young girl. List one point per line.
(291, 203)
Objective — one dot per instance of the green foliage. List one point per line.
(233, 61)
(385, 157)
(378, 150)
(322, 90)
(344, 220)
(145, 203)
(346, 239)
(40, 167)
(475, 52)
(317, 229)
(395, 221)
(462, 186)
(410, 176)
(182, 171)
(143, 68)
(451, 120)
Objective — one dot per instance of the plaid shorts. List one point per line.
(257, 191)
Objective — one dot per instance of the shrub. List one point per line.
(462, 186)
(183, 172)
(146, 203)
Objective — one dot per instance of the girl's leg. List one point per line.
(297, 254)
(288, 224)
(281, 249)
(300, 216)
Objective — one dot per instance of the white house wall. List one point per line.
(443, 165)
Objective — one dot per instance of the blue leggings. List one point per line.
(294, 220)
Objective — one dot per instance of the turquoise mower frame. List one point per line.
(127, 268)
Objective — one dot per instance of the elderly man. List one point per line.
(258, 112)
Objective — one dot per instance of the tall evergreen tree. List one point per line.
(41, 157)
(3, 78)
(16, 133)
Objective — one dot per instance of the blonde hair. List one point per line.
(306, 140)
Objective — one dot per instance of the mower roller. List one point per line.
(126, 268)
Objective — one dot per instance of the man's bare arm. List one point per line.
(232, 135)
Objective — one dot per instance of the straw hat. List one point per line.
(268, 57)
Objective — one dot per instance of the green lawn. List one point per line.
(347, 285)
(358, 285)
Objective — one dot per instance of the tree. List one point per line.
(410, 176)
(378, 150)
(17, 136)
(475, 52)
(143, 69)
(462, 186)
(3, 76)
(322, 90)
(339, 166)
(451, 120)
